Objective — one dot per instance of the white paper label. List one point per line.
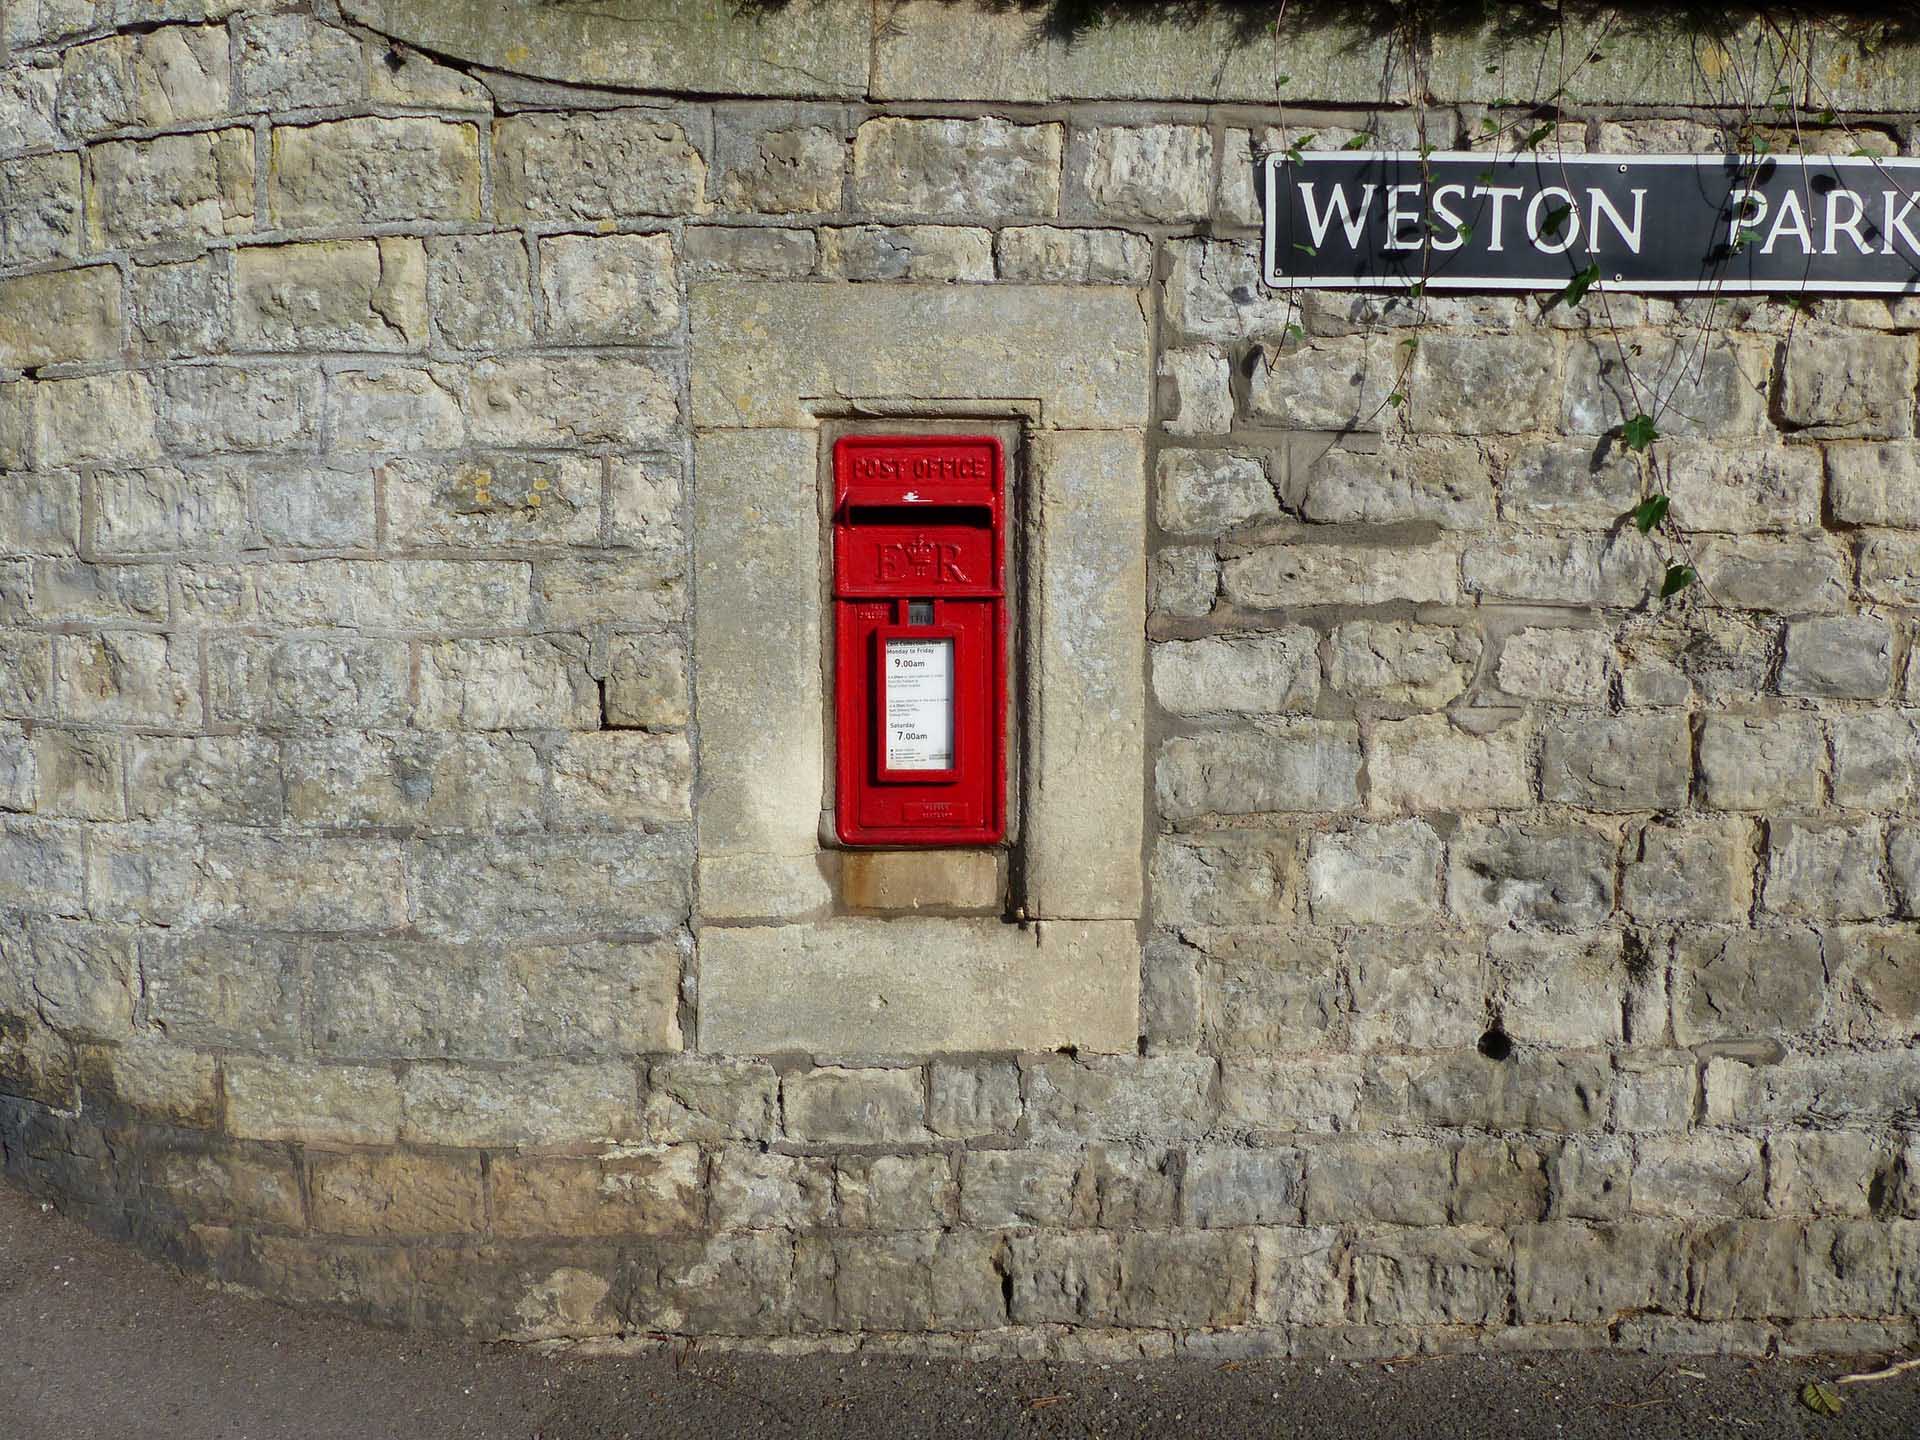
(919, 693)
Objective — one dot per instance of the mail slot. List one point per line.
(919, 600)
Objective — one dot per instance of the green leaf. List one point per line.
(1417, 289)
(1308, 248)
(1860, 153)
(1360, 141)
(1293, 333)
(1678, 578)
(1747, 236)
(1466, 233)
(1577, 288)
(1282, 79)
(1826, 117)
(1412, 342)
(1821, 1398)
(1650, 512)
(1396, 399)
(1638, 433)
(1293, 155)
(1556, 217)
(1535, 136)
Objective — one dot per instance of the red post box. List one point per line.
(920, 645)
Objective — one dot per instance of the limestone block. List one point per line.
(1534, 876)
(1742, 487)
(1739, 983)
(398, 75)
(1063, 1278)
(1691, 870)
(1376, 874)
(1431, 1277)
(1427, 762)
(1248, 675)
(1717, 393)
(546, 1104)
(95, 419)
(609, 289)
(1788, 576)
(1479, 384)
(289, 62)
(646, 682)
(1160, 173)
(1285, 765)
(74, 591)
(214, 988)
(1568, 482)
(1890, 568)
(308, 682)
(1341, 383)
(1570, 666)
(1207, 491)
(920, 880)
(82, 978)
(1001, 1188)
(919, 986)
(44, 868)
(45, 220)
(958, 169)
(1825, 872)
(397, 1193)
(1758, 763)
(1185, 1278)
(766, 887)
(331, 295)
(1215, 291)
(1903, 867)
(1288, 575)
(1827, 1173)
(392, 778)
(1226, 877)
(1264, 992)
(259, 1187)
(61, 317)
(1298, 1276)
(1591, 1274)
(551, 884)
(1311, 1094)
(1873, 760)
(1875, 484)
(1051, 255)
(969, 1100)
(1424, 665)
(480, 291)
(158, 79)
(1196, 397)
(897, 1192)
(759, 348)
(1119, 1099)
(705, 1099)
(1849, 656)
(1851, 385)
(1183, 580)
(640, 1192)
(1422, 987)
(490, 499)
(1877, 979)
(1622, 569)
(28, 96)
(597, 165)
(180, 310)
(1617, 762)
(228, 779)
(564, 401)
(19, 780)
(778, 160)
(372, 169)
(128, 677)
(906, 252)
(394, 594)
(173, 187)
(754, 251)
(26, 675)
(707, 48)
(79, 776)
(283, 1099)
(392, 407)
(621, 780)
(1447, 485)
(1869, 1089)
(1392, 1182)
(211, 409)
(1137, 58)
(836, 1105)
(1553, 991)
(760, 1190)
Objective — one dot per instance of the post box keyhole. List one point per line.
(920, 612)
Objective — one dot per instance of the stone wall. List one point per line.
(1524, 961)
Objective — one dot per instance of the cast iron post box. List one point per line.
(919, 602)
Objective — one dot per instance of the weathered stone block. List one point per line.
(80, 775)
(1569, 482)
(507, 685)
(609, 289)
(612, 587)
(370, 170)
(1593, 1274)
(1875, 484)
(1831, 872)
(1118, 1099)
(1289, 765)
(646, 682)
(1877, 980)
(1552, 991)
(1422, 987)
(566, 401)
(1265, 991)
(1846, 656)
(1569, 666)
(752, 251)
(1393, 1182)
(395, 778)
(623, 780)
(1050, 255)
(1149, 172)
(492, 499)
(697, 1098)
(94, 419)
(637, 1192)
(957, 168)
(285, 1099)
(397, 1193)
(28, 98)
(1064, 1279)
(1225, 877)
(173, 187)
(1431, 1277)
(394, 594)
(1207, 491)
(1286, 576)
(1743, 487)
(1698, 870)
(179, 310)
(129, 677)
(60, 317)
(1733, 984)
(1479, 384)
(1184, 580)
(597, 165)
(210, 988)
(897, 1192)
(480, 290)
(760, 1190)
(248, 1186)
(309, 682)
(564, 884)
(969, 1101)
(1890, 568)
(1761, 763)
(1582, 570)
(331, 295)
(45, 217)
(547, 1104)
(1855, 385)
(1543, 876)
(1196, 396)
(1299, 1276)
(1837, 1172)
(856, 1107)
(906, 252)
(1257, 674)
(1782, 576)
(1423, 665)
(1617, 762)
(215, 408)
(393, 407)
(1720, 391)
(1704, 1175)
(1378, 874)
(1185, 1279)
(907, 880)
(1446, 485)
(293, 61)
(1003, 1188)
(1427, 762)
(1341, 383)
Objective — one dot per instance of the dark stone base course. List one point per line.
(238, 1214)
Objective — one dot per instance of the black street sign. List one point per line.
(1692, 224)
